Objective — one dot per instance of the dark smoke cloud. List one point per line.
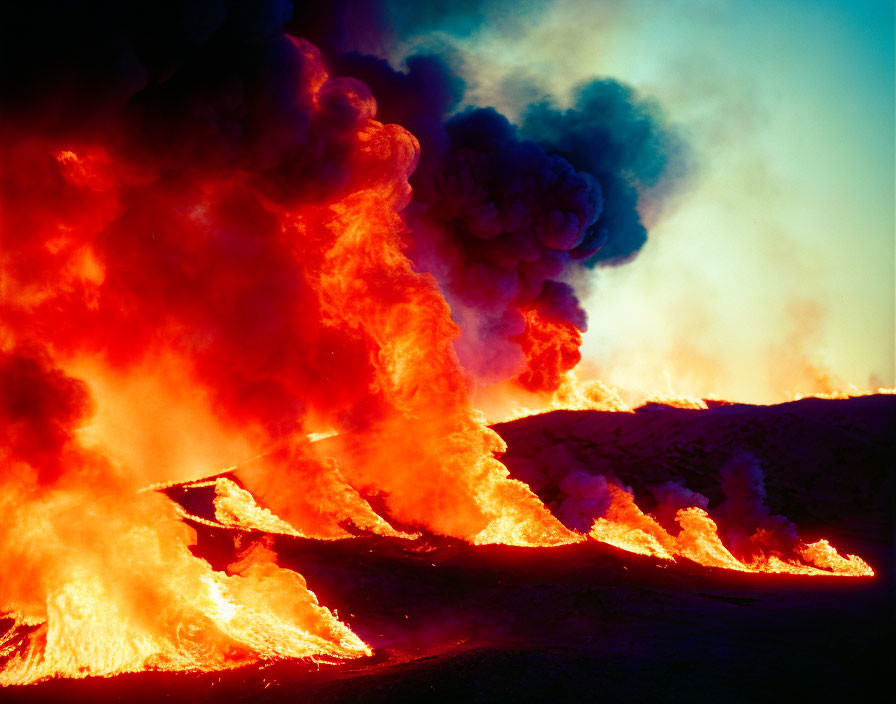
(40, 410)
(577, 492)
(510, 213)
(671, 497)
(200, 108)
(620, 139)
(745, 521)
(195, 86)
(420, 98)
(608, 131)
(504, 215)
(500, 216)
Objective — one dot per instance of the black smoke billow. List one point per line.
(502, 215)
(620, 139)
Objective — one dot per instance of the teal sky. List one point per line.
(772, 272)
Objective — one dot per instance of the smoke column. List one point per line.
(199, 218)
(510, 219)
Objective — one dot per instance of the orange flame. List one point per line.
(106, 581)
(853, 392)
(626, 527)
(102, 591)
(467, 493)
(98, 577)
(551, 349)
(574, 394)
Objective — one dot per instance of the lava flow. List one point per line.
(213, 253)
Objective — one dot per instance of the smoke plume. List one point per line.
(503, 216)
(744, 519)
(191, 198)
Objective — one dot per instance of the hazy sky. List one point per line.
(774, 266)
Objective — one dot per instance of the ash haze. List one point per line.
(771, 271)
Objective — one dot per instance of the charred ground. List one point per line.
(450, 622)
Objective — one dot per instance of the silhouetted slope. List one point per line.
(829, 464)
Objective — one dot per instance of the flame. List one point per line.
(551, 349)
(853, 392)
(174, 320)
(572, 394)
(417, 371)
(676, 400)
(103, 609)
(822, 555)
(236, 507)
(507, 402)
(575, 394)
(626, 527)
(172, 336)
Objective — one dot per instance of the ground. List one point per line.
(453, 622)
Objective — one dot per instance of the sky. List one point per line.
(771, 272)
